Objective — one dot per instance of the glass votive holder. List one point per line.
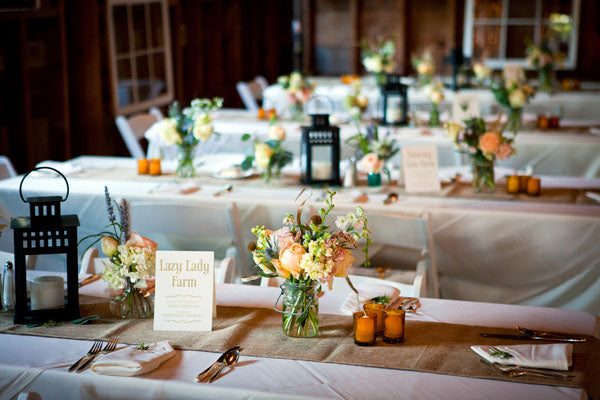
(155, 166)
(143, 166)
(534, 186)
(393, 326)
(378, 310)
(364, 328)
(523, 183)
(512, 184)
(543, 122)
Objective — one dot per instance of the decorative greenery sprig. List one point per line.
(495, 352)
(142, 346)
(384, 299)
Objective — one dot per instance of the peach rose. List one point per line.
(135, 239)
(425, 68)
(283, 238)
(504, 151)
(290, 260)
(277, 132)
(342, 261)
(110, 246)
(371, 163)
(489, 142)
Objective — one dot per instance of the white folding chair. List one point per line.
(251, 92)
(132, 129)
(6, 168)
(207, 226)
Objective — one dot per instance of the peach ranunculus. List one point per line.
(343, 260)
(277, 132)
(504, 151)
(489, 142)
(110, 246)
(371, 163)
(290, 261)
(135, 239)
(283, 238)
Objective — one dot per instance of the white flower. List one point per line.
(436, 96)
(373, 64)
(262, 155)
(517, 98)
(277, 132)
(167, 130)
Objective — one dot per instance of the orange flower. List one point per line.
(342, 261)
(290, 261)
(135, 239)
(489, 142)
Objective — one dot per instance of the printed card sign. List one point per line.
(420, 167)
(185, 291)
(465, 106)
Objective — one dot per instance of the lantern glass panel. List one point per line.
(321, 162)
(394, 110)
(47, 287)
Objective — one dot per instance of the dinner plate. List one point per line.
(233, 172)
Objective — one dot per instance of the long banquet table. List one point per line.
(38, 364)
(491, 249)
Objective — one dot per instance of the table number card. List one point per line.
(420, 168)
(185, 291)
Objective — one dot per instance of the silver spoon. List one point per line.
(391, 198)
(230, 360)
(227, 189)
(208, 372)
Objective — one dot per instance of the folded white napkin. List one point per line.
(130, 361)
(366, 291)
(550, 356)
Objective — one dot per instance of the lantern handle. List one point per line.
(320, 96)
(37, 169)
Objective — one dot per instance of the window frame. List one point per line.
(569, 63)
(132, 53)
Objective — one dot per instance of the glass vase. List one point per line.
(185, 162)
(514, 121)
(300, 308)
(545, 78)
(434, 117)
(132, 303)
(297, 111)
(374, 180)
(483, 176)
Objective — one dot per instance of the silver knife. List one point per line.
(527, 337)
(208, 372)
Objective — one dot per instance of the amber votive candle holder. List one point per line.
(155, 166)
(543, 122)
(364, 328)
(523, 183)
(261, 114)
(378, 310)
(534, 186)
(393, 326)
(271, 113)
(143, 166)
(554, 122)
(512, 184)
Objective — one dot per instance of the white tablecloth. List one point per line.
(568, 153)
(513, 252)
(37, 364)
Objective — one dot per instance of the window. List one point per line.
(140, 54)
(497, 30)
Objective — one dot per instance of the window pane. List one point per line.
(120, 23)
(124, 85)
(517, 37)
(521, 9)
(486, 42)
(555, 6)
(139, 26)
(156, 25)
(143, 78)
(488, 9)
(159, 81)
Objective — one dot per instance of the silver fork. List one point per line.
(513, 370)
(110, 346)
(92, 351)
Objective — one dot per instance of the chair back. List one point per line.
(132, 129)
(6, 168)
(193, 227)
(251, 92)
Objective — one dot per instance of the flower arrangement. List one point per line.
(378, 57)
(434, 91)
(305, 254)
(544, 60)
(484, 145)
(513, 95)
(299, 91)
(186, 128)
(355, 102)
(482, 72)
(425, 67)
(131, 261)
(375, 151)
(269, 156)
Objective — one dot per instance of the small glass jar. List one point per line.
(300, 308)
(393, 326)
(364, 328)
(378, 309)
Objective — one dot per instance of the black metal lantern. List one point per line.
(320, 152)
(394, 101)
(45, 231)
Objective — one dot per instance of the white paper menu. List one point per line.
(185, 291)
(420, 168)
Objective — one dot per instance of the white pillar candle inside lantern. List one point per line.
(321, 170)
(393, 112)
(47, 292)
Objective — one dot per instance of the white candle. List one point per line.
(47, 292)
(321, 170)
(392, 113)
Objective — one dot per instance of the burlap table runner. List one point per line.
(428, 347)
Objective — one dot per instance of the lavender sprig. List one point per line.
(109, 207)
(124, 217)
